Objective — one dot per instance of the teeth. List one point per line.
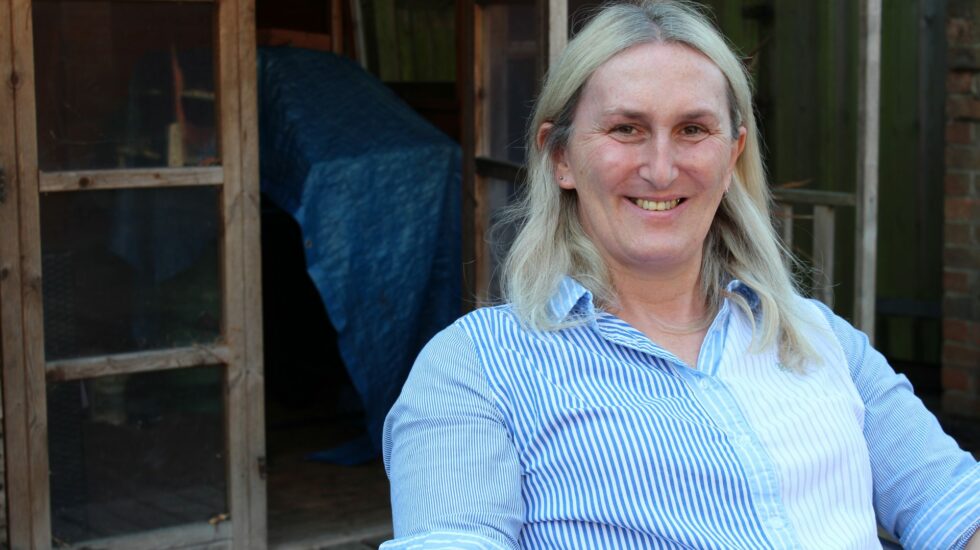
(657, 206)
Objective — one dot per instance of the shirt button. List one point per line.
(704, 383)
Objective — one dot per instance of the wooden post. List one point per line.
(866, 247)
(557, 22)
(252, 272)
(823, 253)
(785, 215)
(465, 91)
(19, 520)
(33, 422)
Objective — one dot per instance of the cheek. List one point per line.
(709, 167)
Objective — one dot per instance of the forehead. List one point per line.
(658, 78)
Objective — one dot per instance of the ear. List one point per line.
(562, 173)
(739, 145)
(737, 148)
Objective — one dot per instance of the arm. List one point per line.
(454, 472)
(926, 489)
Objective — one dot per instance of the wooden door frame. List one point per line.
(25, 371)
(553, 17)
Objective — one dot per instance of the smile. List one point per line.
(657, 206)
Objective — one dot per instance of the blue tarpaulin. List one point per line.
(376, 192)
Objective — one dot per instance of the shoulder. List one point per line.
(456, 355)
(853, 342)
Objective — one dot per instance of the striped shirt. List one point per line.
(596, 437)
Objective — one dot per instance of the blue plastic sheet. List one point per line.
(376, 191)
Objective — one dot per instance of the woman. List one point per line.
(655, 380)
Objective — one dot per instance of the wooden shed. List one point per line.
(135, 407)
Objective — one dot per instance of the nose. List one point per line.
(659, 167)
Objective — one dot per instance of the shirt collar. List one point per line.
(571, 299)
(738, 287)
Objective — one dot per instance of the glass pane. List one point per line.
(130, 270)
(513, 76)
(135, 452)
(140, 92)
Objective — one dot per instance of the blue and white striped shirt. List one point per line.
(595, 437)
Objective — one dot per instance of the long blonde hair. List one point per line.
(741, 242)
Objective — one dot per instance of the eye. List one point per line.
(693, 130)
(625, 130)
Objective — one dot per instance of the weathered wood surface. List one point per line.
(233, 314)
(866, 256)
(35, 401)
(15, 442)
(130, 363)
(87, 180)
(256, 516)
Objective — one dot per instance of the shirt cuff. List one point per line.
(442, 540)
(951, 519)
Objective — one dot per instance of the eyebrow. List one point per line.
(700, 113)
(630, 113)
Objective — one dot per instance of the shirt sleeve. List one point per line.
(454, 471)
(926, 489)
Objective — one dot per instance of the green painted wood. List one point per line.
(806, 94)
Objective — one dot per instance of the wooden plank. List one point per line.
(295, 39)
(153, 1)
(484, 68)
(866, 247)
(184, 536)
(35, 402)
(252, 272)
(467, 68)
(784, 213)
(501, 170)
(88, 180)
(15, 439)
(129, 363)
(823, 254)
(337, 26)
(930, 144)
(808, 196)
(557, 29)
(232, 269)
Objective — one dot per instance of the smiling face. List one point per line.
(650, 156)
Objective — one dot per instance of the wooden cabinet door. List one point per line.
(129, 274)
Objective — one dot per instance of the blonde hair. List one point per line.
(741, 242)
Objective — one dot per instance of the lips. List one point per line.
(657, 206)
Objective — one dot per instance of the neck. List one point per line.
(668, 298)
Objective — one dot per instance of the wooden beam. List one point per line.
(468, 67)
(486, 34)
(252, 274)
(811, 197)
(89, 180)
(337, 26)
(198, 535)
(823, 254)
(296, 39)
(129, 363)
(501, 169)
(557, 29)
(866, 247)
(232, 267)
(35, 398)
(784, 212)
(15, 438)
